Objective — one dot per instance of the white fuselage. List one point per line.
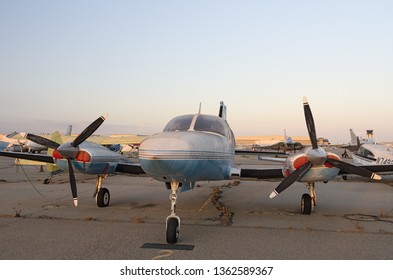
(370, 154)
(191, 148)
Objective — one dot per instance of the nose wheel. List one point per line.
(309, 201)
(172, 229)
(306, 204)
(173, 221)
(102, 195)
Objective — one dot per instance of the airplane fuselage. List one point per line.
(191, 148)
(370, 154)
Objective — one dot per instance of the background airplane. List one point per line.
(374, 154)
(286, 145)
(3, 145)
(18, 143)
(368, 152)
(356, 141)
(195, 147)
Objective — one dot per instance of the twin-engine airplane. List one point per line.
(191, 148)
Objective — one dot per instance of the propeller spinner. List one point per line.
(69, 150)
(316, 156)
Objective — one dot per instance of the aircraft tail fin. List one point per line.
(223, 111)
(354, 138)
(68, 131)
(56, 137)
(12, 134)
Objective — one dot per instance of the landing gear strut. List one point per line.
(102, 195)
(309, 201)
(173, 221)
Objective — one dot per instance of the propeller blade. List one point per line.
(41, 140)
(89, 131)
(310, 124)
(294, 176)
(72, 182)
(353, 169)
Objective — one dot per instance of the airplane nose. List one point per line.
(185, 156)
(164, 147)
(166, 156)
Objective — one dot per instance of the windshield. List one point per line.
(212, 124)
(181, 123)
(204, 123)
(366, 153)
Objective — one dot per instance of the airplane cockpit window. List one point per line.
(366, 153)
(202, 123)
(212, 124)
(181, 123)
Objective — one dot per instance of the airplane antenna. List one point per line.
(200, 107)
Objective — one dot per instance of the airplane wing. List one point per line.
(261, 173)
(127, 168)
(28, 156)
(257, 173)
(130, 168)
(243, 173)
(245, 152)
(130, 139)
(374, 168)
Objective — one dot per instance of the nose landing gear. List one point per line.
(102, 195)
(173, 221)
(309, 201)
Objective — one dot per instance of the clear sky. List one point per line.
(144, 62)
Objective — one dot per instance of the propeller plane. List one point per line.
(194, 147)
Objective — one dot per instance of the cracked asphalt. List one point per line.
(222, 220)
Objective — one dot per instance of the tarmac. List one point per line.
(353, 219)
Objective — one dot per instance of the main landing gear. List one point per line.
(102, 195)
(173, 221)
(309, 201)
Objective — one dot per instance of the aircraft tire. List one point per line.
(306, 204)
(172, 231)
(103, 198)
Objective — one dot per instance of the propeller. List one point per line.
(41, 140)
(69, 150)
(316, 156)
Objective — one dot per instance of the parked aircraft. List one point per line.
(191, 148)
(374, 154)
(13, 145)
(3, 145)
(368, 152)
(356, 141)
(17, 142)
(286, 145)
